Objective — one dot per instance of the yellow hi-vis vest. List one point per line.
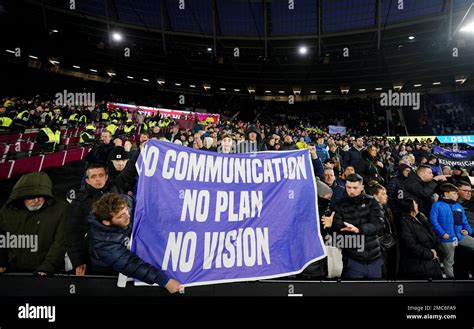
(5, 122)
(52, 137)
(50, 114)
(112, 128)
(81, 140)
(129, 130)
(73, 117)
(24, 116)
(105, 116)
(83, 119)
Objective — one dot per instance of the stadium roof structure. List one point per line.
(355, 45)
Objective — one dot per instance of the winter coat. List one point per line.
(365, 213)
(420, 191)
(468, 206)
(369, 170)
(47, 224)
(449, 217)
(395, 190)
(338, 192)
(100, 153)
(109, 250)
(322, 152)
(77, 224)
(417, 240)
(318, 167)
(353, 158)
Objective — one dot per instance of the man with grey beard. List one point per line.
(32, 228)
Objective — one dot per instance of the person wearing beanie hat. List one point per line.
(207, 144)
(324, 191)
(32, 208)
(118, 159)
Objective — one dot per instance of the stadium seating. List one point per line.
(27, 165)
(12, 168)
(56, 159)
(6, 169)
(3, 152)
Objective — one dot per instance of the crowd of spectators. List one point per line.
(414, 216)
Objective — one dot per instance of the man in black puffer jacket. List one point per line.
(77, 226)
(422, 186)
(360, 216)
(109, 235)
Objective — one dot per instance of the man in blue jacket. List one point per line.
(451, 226)
(321, 149)
(109, 235)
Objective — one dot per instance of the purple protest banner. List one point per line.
(206, 217)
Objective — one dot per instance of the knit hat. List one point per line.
(208, 142)
(119, 153)
(323, 188)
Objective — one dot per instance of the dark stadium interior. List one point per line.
(380, 94)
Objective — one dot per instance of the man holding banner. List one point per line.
(110, 235)
(208, 218)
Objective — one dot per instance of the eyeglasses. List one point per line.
(467, 191)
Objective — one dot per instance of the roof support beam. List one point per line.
(451, 36)
(162, 12)
(378, 6)
(265, 20)
(449, 4)
(214, 26)
(107, 19)
(319, 22)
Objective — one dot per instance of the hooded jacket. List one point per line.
(448, 216)
(261, 146)
(47, 224)
(395, 189)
